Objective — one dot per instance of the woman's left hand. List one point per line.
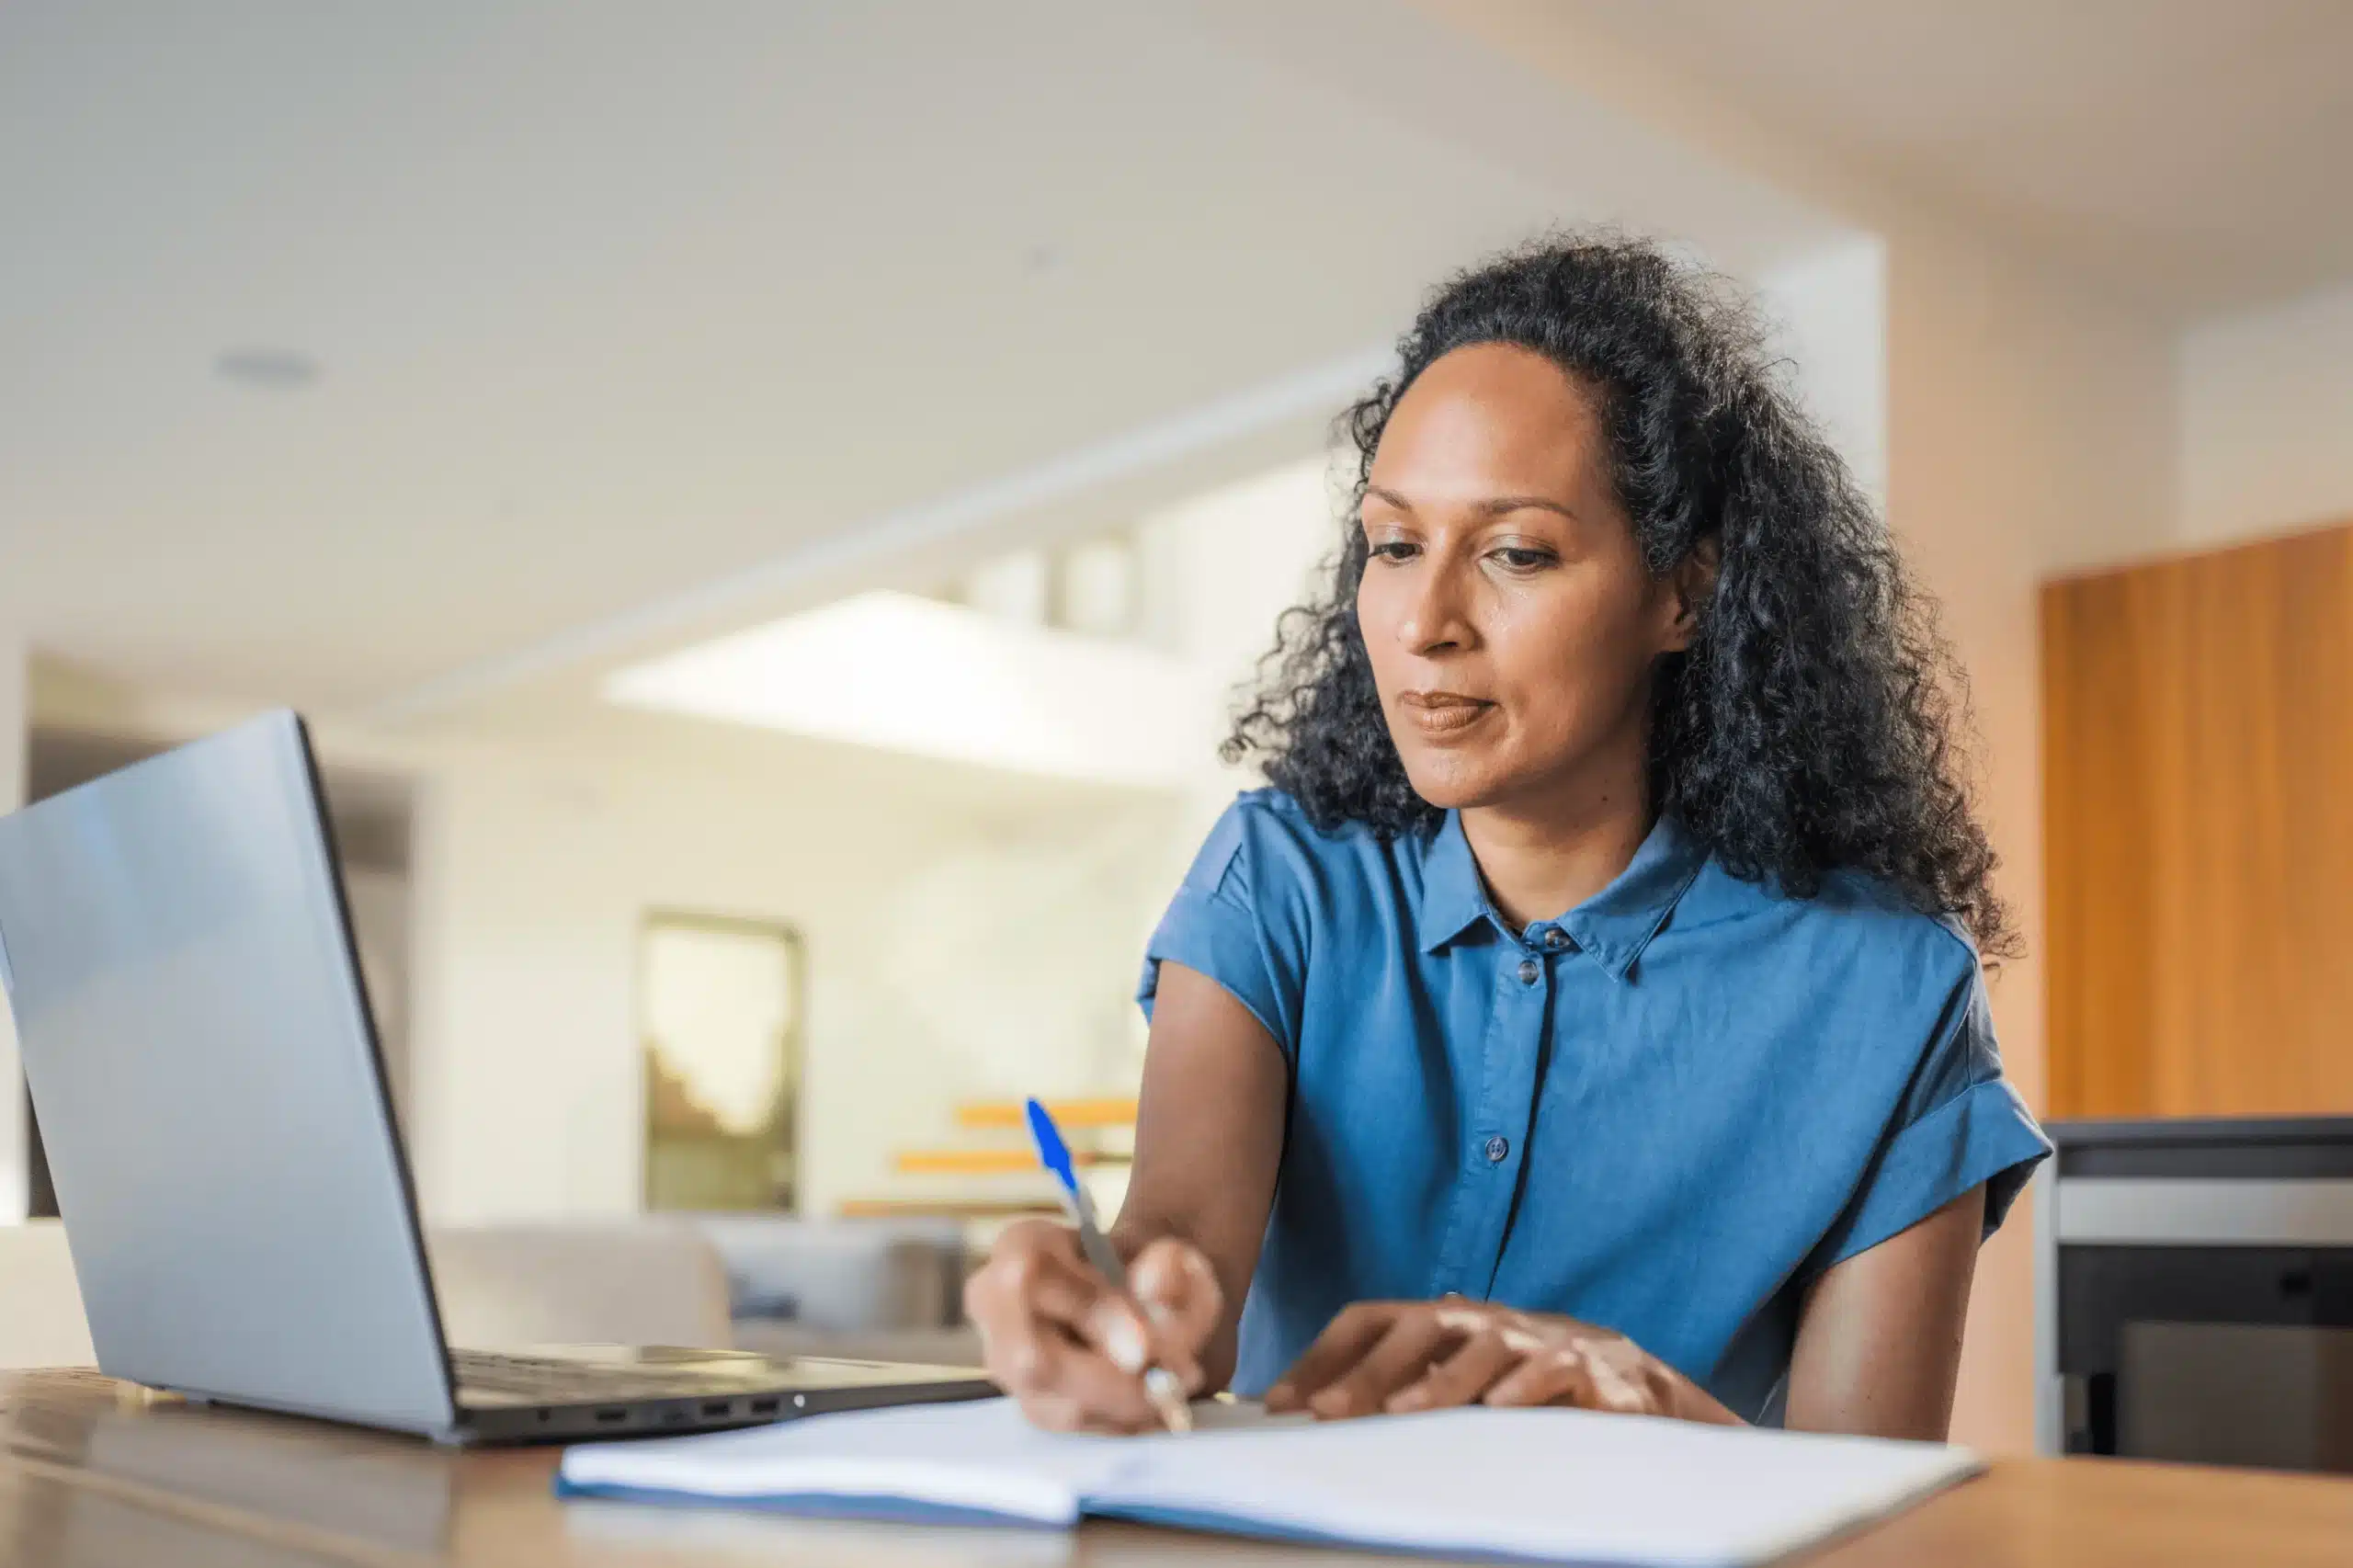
(1389, 1357)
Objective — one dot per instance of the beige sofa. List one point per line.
(872, 1289)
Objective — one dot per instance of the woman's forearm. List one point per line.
(1208, 1137)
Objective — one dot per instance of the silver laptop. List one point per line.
(175, 942)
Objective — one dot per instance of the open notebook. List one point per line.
(1536, 1485)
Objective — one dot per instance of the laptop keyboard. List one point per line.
(548, 1379)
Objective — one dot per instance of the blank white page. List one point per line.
(1557, 1485)
(981, 1455)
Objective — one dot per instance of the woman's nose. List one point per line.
(1435, 610)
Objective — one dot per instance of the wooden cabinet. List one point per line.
(2197, 813)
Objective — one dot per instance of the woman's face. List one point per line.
(1511, 622)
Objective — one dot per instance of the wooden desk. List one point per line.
(94, 1472)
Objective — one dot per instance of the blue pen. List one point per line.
(1159, 1383)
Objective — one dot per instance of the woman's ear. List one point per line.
(1693, 584)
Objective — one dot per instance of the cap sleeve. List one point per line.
(1224, 924)
(1961, 1125)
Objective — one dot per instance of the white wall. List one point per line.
(1828, 316)
(2267, 420)
(1219, 571)
(15, 723)
(955, 950)
(2029, 427)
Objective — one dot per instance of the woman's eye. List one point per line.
(1520, 560)
(1393, 549)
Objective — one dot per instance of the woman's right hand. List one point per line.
(1057, 1337)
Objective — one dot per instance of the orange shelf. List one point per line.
(992, 1116)
(940, 1209)
(988, 1162)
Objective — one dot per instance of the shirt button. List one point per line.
(1556, 939)
(1496, 1149)
(1529, 969)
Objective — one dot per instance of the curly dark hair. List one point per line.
(1811, 726)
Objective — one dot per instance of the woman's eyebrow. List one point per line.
(1495, 506)
(1501, 504)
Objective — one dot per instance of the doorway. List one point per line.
(721, 1010)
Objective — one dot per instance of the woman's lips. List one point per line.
(1442, 712)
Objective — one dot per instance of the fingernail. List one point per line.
(1124, 1343)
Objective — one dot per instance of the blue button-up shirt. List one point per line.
(1667, 1111)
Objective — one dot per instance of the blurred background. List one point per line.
(766, 508)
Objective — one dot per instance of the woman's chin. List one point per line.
(1451, 785)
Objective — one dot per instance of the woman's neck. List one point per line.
(1539, 861)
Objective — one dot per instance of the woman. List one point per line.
(1590, 1012)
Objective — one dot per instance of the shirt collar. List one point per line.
(1453, 897)
(1614, 925)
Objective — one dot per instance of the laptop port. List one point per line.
(764, 1406)
(612, 1416)
(717, 1407)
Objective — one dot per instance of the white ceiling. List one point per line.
(2192, 153)
(634, 315)
(612, 300)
